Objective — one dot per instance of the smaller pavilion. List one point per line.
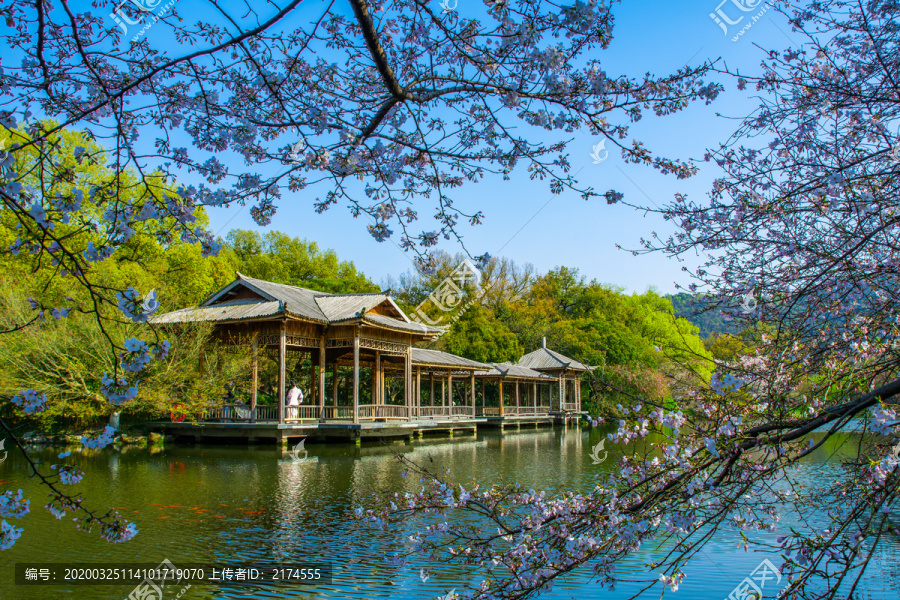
(532, 403)
(567, 371)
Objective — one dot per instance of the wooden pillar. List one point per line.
(431, 393)
(450, 392)
(517, 397)
(534, 395)
(443, 392)
(312, 379)
(501, 396)
(376, 380)
(418, 389)
(407, 382)
(562, 391)
(334, 382)
(356, 375)
(472, 389)
(282, 350)
(254, 379)
(322, 376)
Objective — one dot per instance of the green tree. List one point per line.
(293, 261)
(479, 336)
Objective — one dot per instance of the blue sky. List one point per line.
(527, 223)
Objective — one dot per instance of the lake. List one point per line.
(234, 504)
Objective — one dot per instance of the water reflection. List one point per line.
(204, 504)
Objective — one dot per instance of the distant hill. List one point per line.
(689, 306)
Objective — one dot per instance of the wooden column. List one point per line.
(322, 376)
(472, 384)
(518, 404)
(450, 392)
(534, 395)
(431, 393)
(407, 382)
(356, 375)
(254, 379)
(501, 396)
(334, 383)
(376, 380)
(418, 390)
(562, 391)
(443, 392)
(312, 380)
(282, 350)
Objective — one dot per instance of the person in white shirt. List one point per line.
(294, 398)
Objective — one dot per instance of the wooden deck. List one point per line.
(243, 431)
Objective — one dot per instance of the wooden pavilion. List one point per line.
(532, 403)
(337, 329)
(567, 371)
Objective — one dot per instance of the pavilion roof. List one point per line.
(424, 356)
(271, 299)
(513, 371)
(546, 359)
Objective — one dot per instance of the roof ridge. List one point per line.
(287, 285)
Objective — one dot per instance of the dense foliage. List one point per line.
(647, 349)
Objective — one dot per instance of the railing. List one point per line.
(569, 406)
(339, 412)
(429, 412)
(461, 411)
(487, 411)
(227, 412)
(301, 413)
(267, 413)
(382, 411)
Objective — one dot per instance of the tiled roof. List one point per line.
(510, 370)
(271, 299)
(227, 311)
(544, 358)
(423, 356)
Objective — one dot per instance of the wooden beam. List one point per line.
(501, 397)
(472, 390)
(431, 393)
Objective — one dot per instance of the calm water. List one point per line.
(202, 504)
